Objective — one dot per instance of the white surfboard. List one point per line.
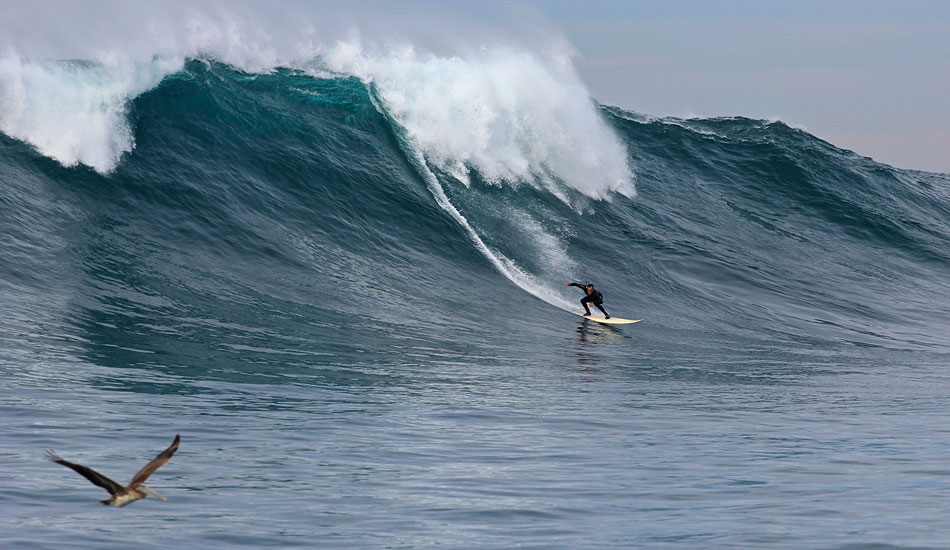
(611, 321)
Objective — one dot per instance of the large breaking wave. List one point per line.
(228, 173)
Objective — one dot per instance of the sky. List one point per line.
(869, 76)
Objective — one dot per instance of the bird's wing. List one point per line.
(95, 477)
(155, 464)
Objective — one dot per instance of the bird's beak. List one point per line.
(151, 492)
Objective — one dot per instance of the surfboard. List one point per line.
(611, 321)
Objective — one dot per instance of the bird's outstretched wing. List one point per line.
(95, 477)
(155, 464)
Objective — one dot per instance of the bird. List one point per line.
(135, 490)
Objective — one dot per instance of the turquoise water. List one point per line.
(275, 272)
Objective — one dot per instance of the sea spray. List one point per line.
(511, 115)
(75, 111)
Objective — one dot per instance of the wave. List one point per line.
(507, 114)
(75, 111)
(377, 169)
(513, 116)
(514, 112)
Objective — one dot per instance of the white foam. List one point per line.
(517, 113)
(528, 282)
(67, 75)
(550, 252)
(74, 112)
(513, 115)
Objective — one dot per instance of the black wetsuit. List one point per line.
(594, 297)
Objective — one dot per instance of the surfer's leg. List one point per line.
(600, 307)
(584, 301)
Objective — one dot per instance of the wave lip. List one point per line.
(510, 115)
(75, 111)
(515, 113)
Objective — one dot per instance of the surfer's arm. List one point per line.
(578, 285)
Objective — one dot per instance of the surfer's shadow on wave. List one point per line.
(590, 333)
(592, 339)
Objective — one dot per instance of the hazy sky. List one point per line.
(869, 76)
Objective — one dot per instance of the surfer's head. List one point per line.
(590, 288)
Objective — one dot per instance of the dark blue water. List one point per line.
(349, 338)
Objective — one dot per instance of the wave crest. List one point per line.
(511, 115)
(514, 113)
(75, 111)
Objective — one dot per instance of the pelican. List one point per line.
(135, 490)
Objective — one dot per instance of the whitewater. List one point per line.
(332, 253)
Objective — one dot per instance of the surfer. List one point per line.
(593, 297)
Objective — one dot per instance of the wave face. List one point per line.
(411, 190)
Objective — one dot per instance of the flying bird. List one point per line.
(135, 490)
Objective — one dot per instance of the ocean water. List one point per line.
(342, 282)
